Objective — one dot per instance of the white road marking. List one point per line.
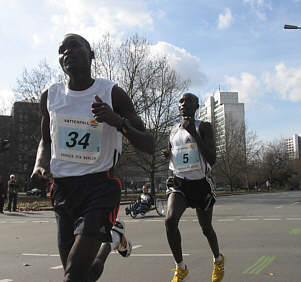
(19, 221)
(6, 280)
(132, 255)
(296, 203)
(155, 255)
(136, 247)
(246, 218)
(279, 207)
(55, 267)
(34, 255)
(40, 221)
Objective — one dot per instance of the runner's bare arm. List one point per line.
(124, 117)
(166, 154)
(206, 142)
(41, 167)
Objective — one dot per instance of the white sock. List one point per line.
(181, 265)
(115, 240)
(218, 259)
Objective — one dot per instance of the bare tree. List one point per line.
(154, 88)
(275, 163)
(231, 153)
(160, 99)
(32, 82)
(5, 105)
(106, 59)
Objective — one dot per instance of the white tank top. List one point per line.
(186, 161)
(79, 144)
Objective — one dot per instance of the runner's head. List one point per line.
(188, 104)
(75, 54)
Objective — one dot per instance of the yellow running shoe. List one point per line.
(218, 270)
(180, 275)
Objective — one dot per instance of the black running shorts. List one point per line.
(197, 193)
(85, 205)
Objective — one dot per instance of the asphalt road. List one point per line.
(260, 235)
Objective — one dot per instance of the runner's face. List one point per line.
(74, 55)
(188, 105)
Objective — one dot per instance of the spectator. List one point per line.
(13, 188)
(268, 185)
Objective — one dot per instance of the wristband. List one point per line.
(123, 128)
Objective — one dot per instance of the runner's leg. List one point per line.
(205, 220)
(99, 262)
(80, 259)
(175, 207)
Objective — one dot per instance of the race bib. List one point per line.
(77, 139)
(186, 157)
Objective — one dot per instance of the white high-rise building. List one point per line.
(222, 110)
(293, 147)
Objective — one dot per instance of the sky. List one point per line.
(226, 45)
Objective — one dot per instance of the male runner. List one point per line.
(191, 151)
(82, 126)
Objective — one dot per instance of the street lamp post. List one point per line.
(288, 26)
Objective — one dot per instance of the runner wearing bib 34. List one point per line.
(83, 121)
(191, 153)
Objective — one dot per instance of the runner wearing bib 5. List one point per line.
(191, 153)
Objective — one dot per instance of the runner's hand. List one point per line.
(188, 124)
(104, 113)
(39, 178)
(165, 154)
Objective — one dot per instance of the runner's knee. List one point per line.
(208, 230)
(171, 222)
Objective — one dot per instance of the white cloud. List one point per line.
(187, 65)
(225, 19)
(282, 81)
(36, 40)
(259, 7)
(285, 81)
(160, 14)
(248, 86)
(94, 18)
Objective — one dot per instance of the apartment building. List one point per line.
(224, 112)
(293, 147)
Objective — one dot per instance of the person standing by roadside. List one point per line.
(191, 151)
(12, 188)
(2, 194)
